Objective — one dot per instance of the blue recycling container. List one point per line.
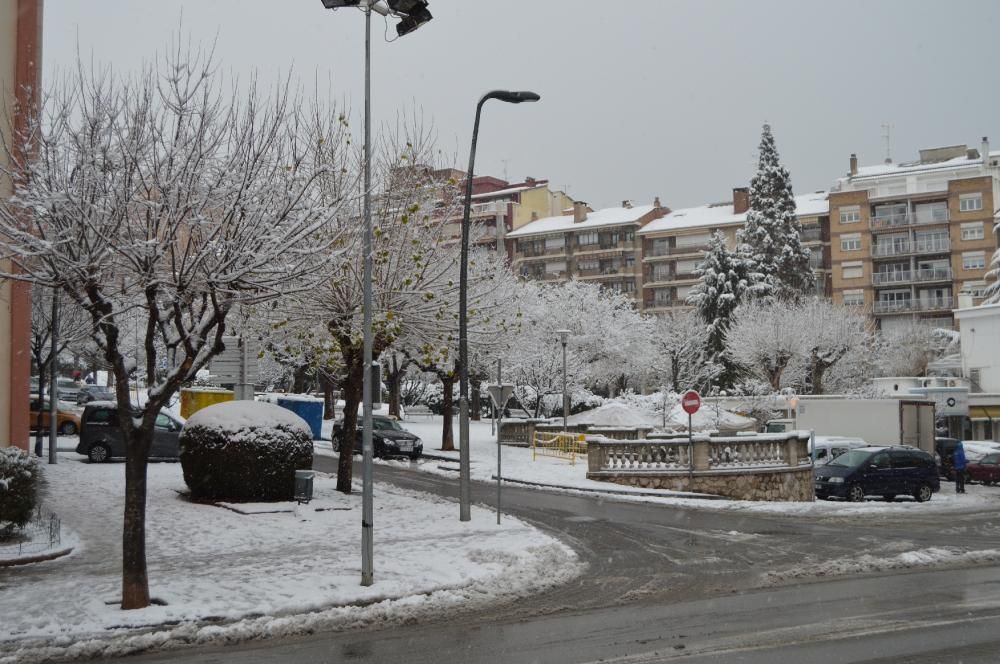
(311, 410)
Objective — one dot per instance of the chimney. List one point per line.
(741, 200)
(984, 152)
(854, 164)
(656, 202)
(530, 181)
(627, 204)
(579, 211)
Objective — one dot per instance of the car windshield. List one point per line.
(384, 424)
(851, 459)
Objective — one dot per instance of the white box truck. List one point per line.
(877, 421)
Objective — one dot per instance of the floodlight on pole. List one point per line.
(367, 499)
(464, 480)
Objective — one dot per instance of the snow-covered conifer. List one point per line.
(772, 231)
(993, 289)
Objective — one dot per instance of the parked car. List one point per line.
(101, 436)
(389, 438)
(68, 389)
(986, 470)
(90, 393)
(877, 470)
(67, 422)
(829, 447)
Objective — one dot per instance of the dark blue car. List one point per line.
(879, 471)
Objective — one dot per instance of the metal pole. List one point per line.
(464, 480)
(53, 391)
(565, 398)
(690, 444)
(367, 511)
(498, 475)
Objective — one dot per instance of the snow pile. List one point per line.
(615, 414)
(709, 418)
(932, 557)
(239, 416)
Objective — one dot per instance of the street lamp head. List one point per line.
(513, 96)
(563, 336)
(337, 4)
(413, 20)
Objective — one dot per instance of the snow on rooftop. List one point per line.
(722, 214)
(879, 170)
(615, 216)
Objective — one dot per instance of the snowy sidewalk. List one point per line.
(226, 576)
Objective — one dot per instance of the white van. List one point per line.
(827, 447)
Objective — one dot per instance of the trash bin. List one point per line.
(194, 399)
(308, 408)
(304, 485)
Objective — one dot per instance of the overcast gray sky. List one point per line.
(639, 98)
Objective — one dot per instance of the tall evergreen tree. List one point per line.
(727, 278)
(772, 232)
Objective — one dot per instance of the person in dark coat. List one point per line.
(958, 463)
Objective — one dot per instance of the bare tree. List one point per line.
(767, 339)
(171, 199)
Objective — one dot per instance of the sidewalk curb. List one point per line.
(687, 496)
(39, 558)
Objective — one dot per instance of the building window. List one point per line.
(970, 202)
(976, 289)
(853, 270)
(628, 236)
(973, 260)
(850, 215)
(854, 298)
(851, 242)
(584, 239)
(585, 265)
(973, 231)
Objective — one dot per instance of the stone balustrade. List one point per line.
(759, 467)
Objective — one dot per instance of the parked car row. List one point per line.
(101, 436)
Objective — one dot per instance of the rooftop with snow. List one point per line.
(723, 214)
(614, 216)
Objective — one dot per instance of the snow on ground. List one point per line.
(518, 466)
(227, 576)
(867, 563)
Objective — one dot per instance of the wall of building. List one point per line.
(979, 328)
(540, 201)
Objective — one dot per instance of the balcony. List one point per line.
(890, 221)
(913, 306)
(911, 276)
(891, 249)
(488, 209)
(811, 234)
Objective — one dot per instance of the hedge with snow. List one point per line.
(19, 484)
(244, 451)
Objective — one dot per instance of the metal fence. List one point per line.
(43, 533)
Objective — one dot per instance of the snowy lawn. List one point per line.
(552, 472)
(227, 576)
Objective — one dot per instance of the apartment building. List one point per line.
(908, 238)
(599, 246)
(499, 207)
(673, 246)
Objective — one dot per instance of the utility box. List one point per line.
(304, 485)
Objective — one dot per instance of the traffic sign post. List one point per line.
(499, 395)
(690, 402)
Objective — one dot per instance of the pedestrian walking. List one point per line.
(958, 463)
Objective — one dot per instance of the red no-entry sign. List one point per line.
(691, 402)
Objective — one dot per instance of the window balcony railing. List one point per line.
(811, 235)
(882, 222)
(934, 246)
(894, 277)
(894, 306)
(910, 305)
(933, 274)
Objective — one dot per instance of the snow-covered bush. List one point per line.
(244, 451)
(20, 480)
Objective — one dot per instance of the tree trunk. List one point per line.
(394, 382)
(299, 380)
(329, 403)
(41, 412)
(475, 403)
(135, 583)
(353, 389)
(818, 369)
(447, 407)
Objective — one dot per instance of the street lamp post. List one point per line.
(413, 14)
(563, 338)
(465, 489)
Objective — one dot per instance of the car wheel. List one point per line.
(923, 493)
(99, 453)
(855, 493)
(889, 497)
(336, 445)
(67, 429)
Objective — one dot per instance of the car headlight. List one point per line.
(417, 441)
(835, 480)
